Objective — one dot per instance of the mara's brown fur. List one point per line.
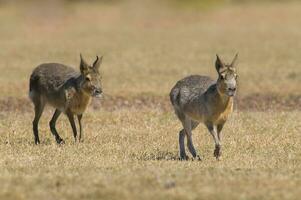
(200, 99)
(65, 89)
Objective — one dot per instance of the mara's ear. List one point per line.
(83, 65)
(97, 62)
(234, 62)
(219, 65)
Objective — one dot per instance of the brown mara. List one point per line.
(65, 89)
(198, 99)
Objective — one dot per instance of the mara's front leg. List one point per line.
(219, 128)
(72, 123)
(219, 131)
(213, 131)
(81, 134)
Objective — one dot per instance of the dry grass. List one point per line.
(130, 150)
(132, 154)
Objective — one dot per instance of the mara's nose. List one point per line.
(98, 91)
(233, 89)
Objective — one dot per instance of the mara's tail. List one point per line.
(33, 82)
(174, 96)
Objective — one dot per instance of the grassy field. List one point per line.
(131, 136)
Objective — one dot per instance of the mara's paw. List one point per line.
(183, 157)
(217, 152)
(60, 141)
(80, 140)
(197, 158)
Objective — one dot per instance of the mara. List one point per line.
(197, 99)
(65, 89)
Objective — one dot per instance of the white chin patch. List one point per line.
(97, 95)
(231, 94)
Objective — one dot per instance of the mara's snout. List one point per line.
(97, 93)
(231, 91)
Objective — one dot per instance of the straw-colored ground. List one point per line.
(131, 139)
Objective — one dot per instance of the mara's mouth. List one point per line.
(97, 94)
(231, 93)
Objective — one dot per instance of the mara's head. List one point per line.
(227, 77)
(91, 82)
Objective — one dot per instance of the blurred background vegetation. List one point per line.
(197, 3)
(149, 44)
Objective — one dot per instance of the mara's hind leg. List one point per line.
(52, 123)
(39, 105)
(182, 134)
(189, 127)
(183, 155)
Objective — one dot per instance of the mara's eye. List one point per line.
(222, 77)
(87, 79)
